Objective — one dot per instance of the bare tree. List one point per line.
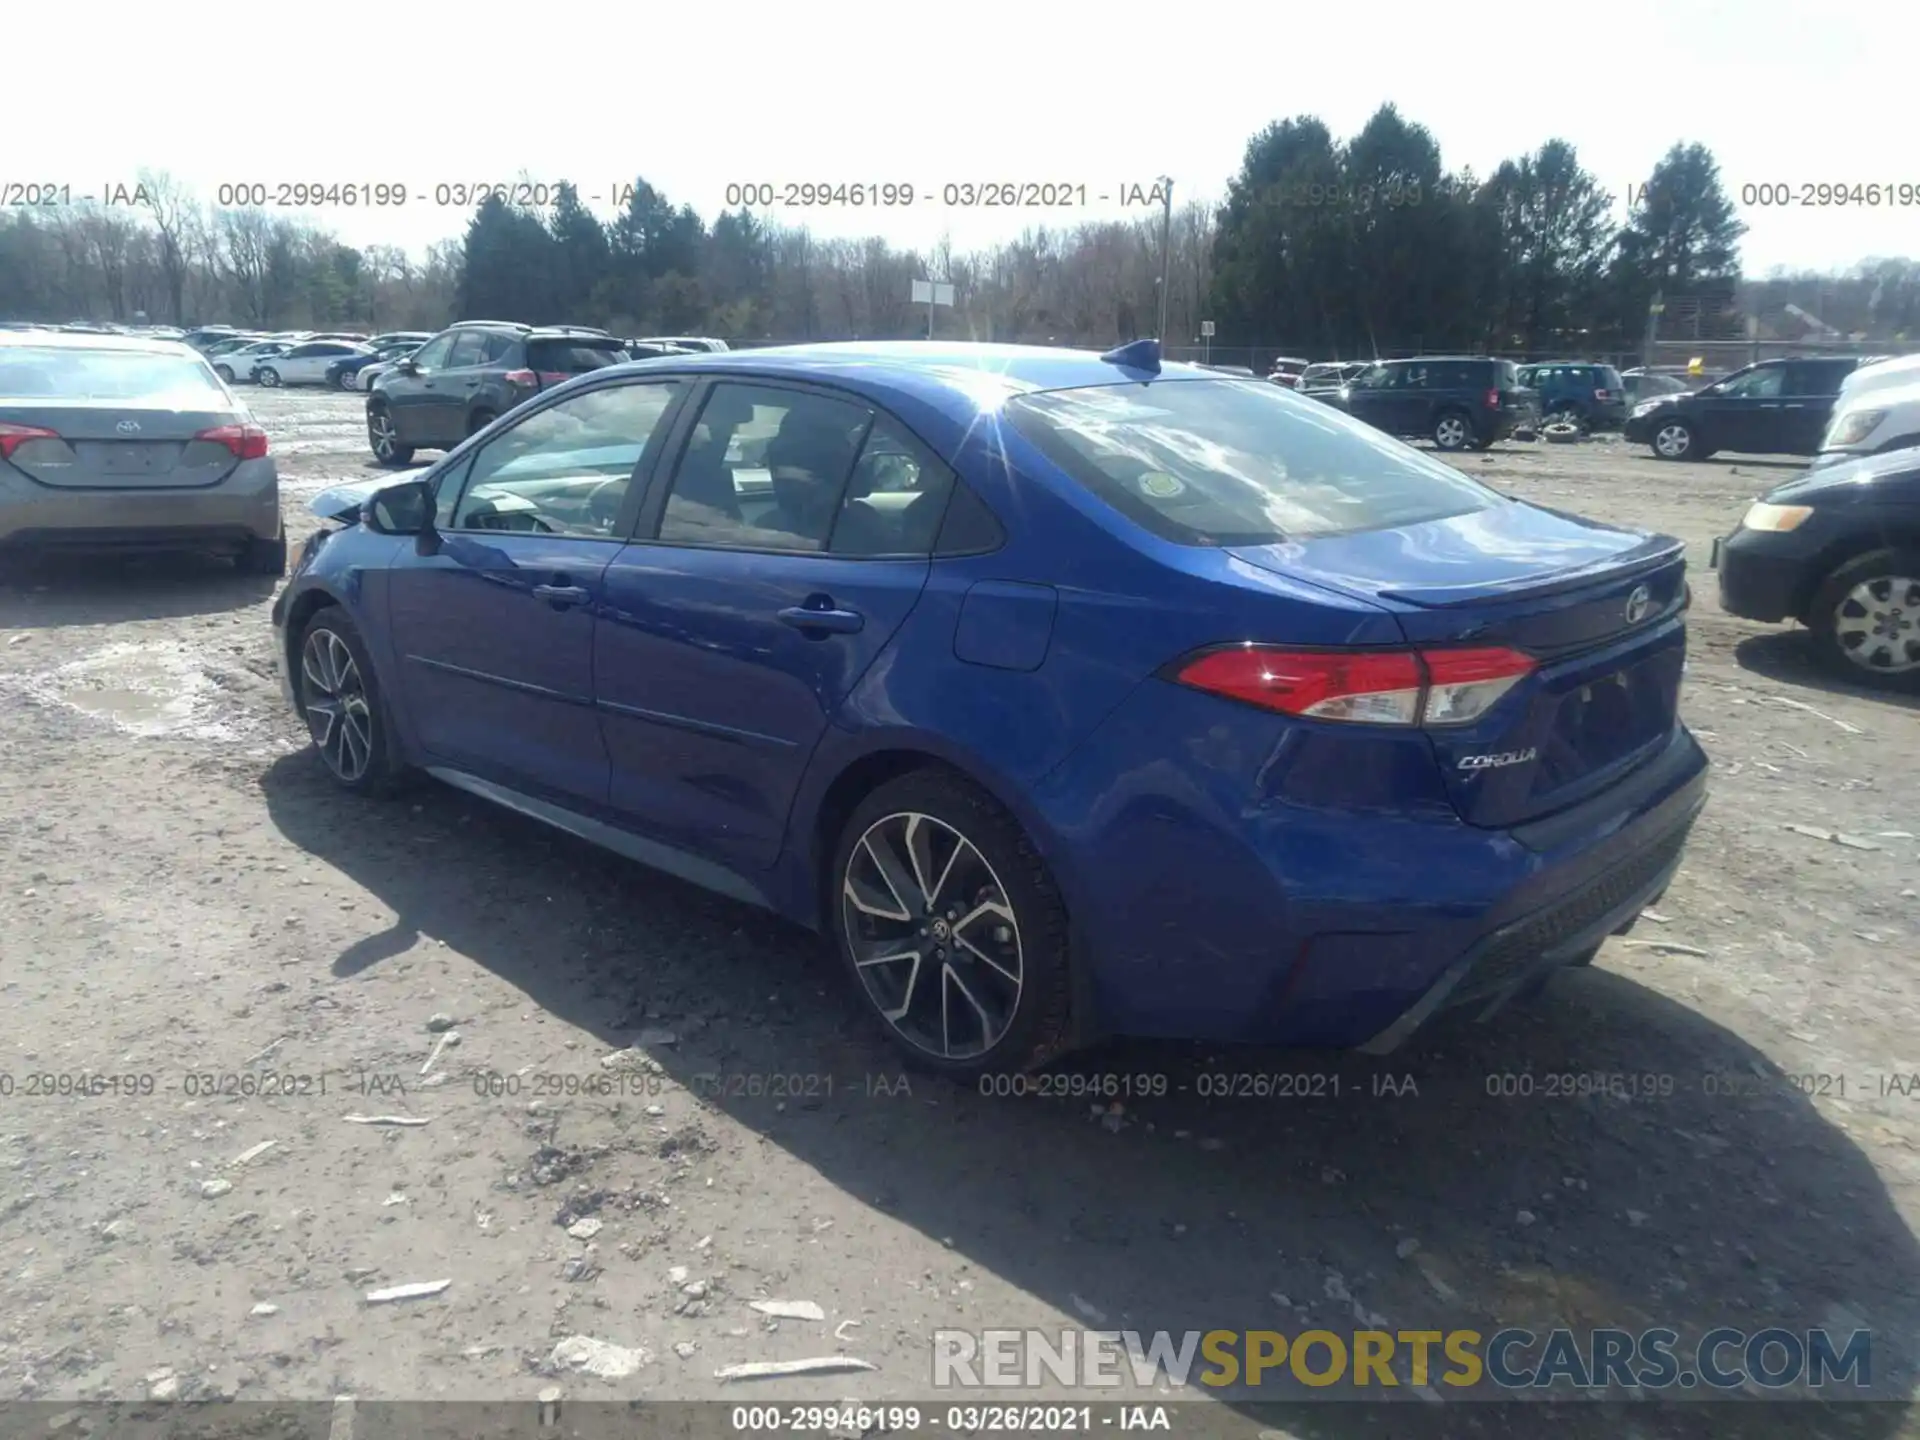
(171, 207)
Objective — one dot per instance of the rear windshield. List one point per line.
(573, 357)
(1225, 462)
(33, 373)
(1509, 376)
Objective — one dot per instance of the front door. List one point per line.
(792, 542)
(411, 391)
(1743, 412)
(493, 617)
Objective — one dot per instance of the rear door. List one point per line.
(791, 542)
(1806, 403)
(110, 419)
(451, 393)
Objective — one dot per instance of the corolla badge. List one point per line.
(1638, 604)
(1495, 762)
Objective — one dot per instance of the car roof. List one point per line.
(950, 376)
(89, 340)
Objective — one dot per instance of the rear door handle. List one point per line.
(836, 622)
(562, 595)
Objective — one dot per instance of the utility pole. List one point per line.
(1166, 250)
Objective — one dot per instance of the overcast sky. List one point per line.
(1103, 96)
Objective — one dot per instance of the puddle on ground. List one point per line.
(150, 690)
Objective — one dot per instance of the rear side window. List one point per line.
(1610, 379)
(1223, 462)
(35, 373)
(572, 357)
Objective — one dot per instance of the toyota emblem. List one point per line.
(1638, 604)
(128, 427)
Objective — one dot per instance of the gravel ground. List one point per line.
(186, 900)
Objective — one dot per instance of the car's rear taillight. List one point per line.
(1603, 395)
(247, 442)
(526, 379)
(1462, 685)
(554, 377)
(1493, 399)
(12, 437)
(1368, 687)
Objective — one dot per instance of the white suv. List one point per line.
(1878, 409)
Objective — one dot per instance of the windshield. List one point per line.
(1222, 462)
(34, 373)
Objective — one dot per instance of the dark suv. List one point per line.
(1456, 401)
(1594, 397)
(461, 380)
(1778, 407)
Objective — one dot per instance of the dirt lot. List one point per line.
(185, 898)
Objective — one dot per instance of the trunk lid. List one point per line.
(122, 446)
(1600, 610)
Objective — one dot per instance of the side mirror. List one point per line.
(406, 366)
(403, 509)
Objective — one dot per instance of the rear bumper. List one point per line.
(1300, 885)
(1512, 957)
(244, 506)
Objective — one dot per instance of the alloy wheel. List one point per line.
(1877, 624)
(934, 937)
(1450, 433)
(268, 378)
(334, 698)
(1673, 441)
(381, 433)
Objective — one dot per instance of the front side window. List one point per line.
(1222, 462)
(433, 355)
(469, 349)
(565, 470)
(1757, 384)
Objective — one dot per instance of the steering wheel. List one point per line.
(604, 500)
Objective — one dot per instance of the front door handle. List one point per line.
(562, 596)
(831, 621)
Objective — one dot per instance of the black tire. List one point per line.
(384, 443)
(1035, 1019)
(268, 376)
(1871, 591)
(339, 379)
(1452, 430)
(480, 419)
(1569, 414)
(265, 557)
(1676, 440)
(381, 772)
(225, 372)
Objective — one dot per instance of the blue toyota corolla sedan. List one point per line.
(1068, 695)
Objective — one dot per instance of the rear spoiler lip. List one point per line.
(1654, 553)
